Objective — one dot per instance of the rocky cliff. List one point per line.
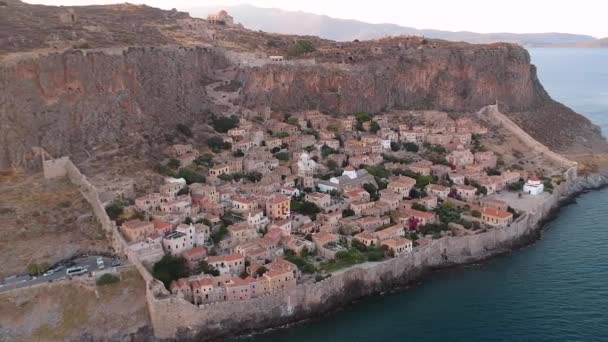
(449, 77)
(75, 101)
(80, 84)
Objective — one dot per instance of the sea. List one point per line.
(553, 290)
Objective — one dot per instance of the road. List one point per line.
(18, 281)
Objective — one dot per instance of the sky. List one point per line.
(484, 16)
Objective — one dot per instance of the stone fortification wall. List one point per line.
(117, 241)
(174, 317)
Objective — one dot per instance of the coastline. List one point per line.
(176, 319)
(585, 186)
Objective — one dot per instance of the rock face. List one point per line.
(73, 101)
(447, 77)
(96, 92)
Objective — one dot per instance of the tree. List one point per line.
(378, 171)
(260, 271)
(476, 213)
(372, 190)
(216, 144)
(204, 160)
(395, 146)
(37, 269)
(173, 163)
(348, 212)
(411, 147)
(183, 191)
(219, 234)
(301, 46)
(204, 267)
(191, 176)
(254, 176)
(114, 210)
(284, 156)
(293, 121)
(170, 268)
(305, 208)
(184, 130)
(107, 279)
(354, 243)
(374, 127)
(238, 153)
(422, 181)
(418, 206)
(326, 151)
(332, 165)
(226, 177)
(222, 124)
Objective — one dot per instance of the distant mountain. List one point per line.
(597, 43)
(301, 23)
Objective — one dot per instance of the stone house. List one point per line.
(278, 207)
(401, 185)
(496, 217)
(367, 238)
(136, 230)
(194, 256)
(233, 264)
(438, 190)
(323, 201)
(487, 159)
(390, 232)
(460, 158)
(398, 245)
(466, 192)
(423, 218)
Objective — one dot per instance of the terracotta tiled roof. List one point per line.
(496, 213)
(223, 258)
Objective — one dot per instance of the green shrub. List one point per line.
(184, 130)
(170, 268)
(107, 279)
(114, 210)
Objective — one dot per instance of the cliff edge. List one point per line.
(79, 79)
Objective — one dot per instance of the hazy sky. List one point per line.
(518, 16)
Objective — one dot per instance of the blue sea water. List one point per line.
(553, 290)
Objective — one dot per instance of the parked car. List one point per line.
(115, 262)
(100, 264)
(74, 271)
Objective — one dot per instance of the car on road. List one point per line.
(48, 273)
(100, 264)
(74, 271)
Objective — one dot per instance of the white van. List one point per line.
(74, 271)
(100, 264)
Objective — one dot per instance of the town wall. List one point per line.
(174, 317)
(117, 241)
(55, 168)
